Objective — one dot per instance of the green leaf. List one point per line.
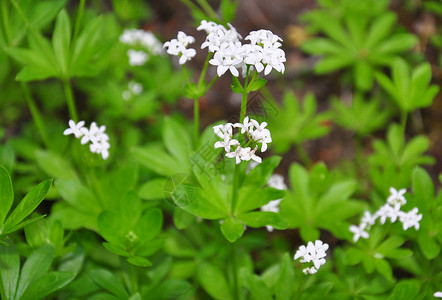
(380, 29)
(333, 63)
(321, 46)
(47, 284)
(405, 289)
(429, 246)
(111, 229)
(257, 287)
(236, 86)
(258, 219)
(139, 261)
(157, 160)
(283, 287)
(213, 281)
(6, 195)
(35, 267)
(9, 268)
(109, 282)
(61, 40)
(29, 203)
(394, 44)
(181, 218)
(149, 224)
(55, 166)
(364, 75)
(256, 85)
(177, 141)
(232, 229)
(130, 208)
(384, 268)
(169, 289)
(153, 189)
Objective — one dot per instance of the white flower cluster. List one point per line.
(263, 53)
(135, 88)
(312, 253)
(438, 295)
(179, 45)
(144, 39)
(391, 210)
(256, 133)
(96, 135)
(277, 182)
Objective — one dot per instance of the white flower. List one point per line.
(311, 270)
(208, 27)
(396, 197)
(438, 294)
(386, 211)
(246, 126)
(359, 232)
(276, 181)
(74, 128)
(368, 218)
(272, 206)
(179, 45)
(223, 130)
(219, 37)
(137, 58)
(226, 143)
(410, 219)
(228, 57)
(135, 88)
(96, 135)
(146, 39)
(313, 253)
(238, 154)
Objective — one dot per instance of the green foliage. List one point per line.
(392, 161)
(361, 116)
(356, 41)
(65, 58)
(294, 123)
(16, 219)
(130, 233)
(313, 196)
(33, 281)
(409, 92)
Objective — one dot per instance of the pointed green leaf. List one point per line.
(61, 40)
(213, 281)
(139, 261)
(9, 268)
(283, 287)
(35, 267)
(6, 195)
(47, 284)
(109, 281)
(177, 142)
(257, 219)
(29, 203)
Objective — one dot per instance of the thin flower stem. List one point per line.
(203, 72)
(70, 99)
(235, 190)
(185, 74)
(244, 97)
(404, 116)
(211, 83)
(207, 9)
(196, 122)
(36, 116)
(78, 19)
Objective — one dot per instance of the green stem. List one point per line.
(133, 278)
(97, 187)
(236, 294)
(2, 289)
(70, 99)
(303, 155)
(235, 190)
(404, 116)
(78, 19)
(36, 116)
(196, 122)
(207, 9)
(203, 72)
(5, 21)
(244, 97)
